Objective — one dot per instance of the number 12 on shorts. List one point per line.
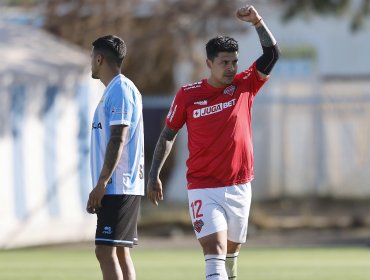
(195, 206)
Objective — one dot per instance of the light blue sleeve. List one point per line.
(119, 106)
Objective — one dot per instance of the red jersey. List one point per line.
(219, 130)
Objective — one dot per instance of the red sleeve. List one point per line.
(176, 116)
(251, 79)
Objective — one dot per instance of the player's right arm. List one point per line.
(161, 152)
(271, 52)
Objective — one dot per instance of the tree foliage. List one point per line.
(20, 3)
(160, 33)
(157, 33)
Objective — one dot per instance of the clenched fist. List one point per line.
(248, 14)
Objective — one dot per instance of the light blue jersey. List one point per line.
(120, 104)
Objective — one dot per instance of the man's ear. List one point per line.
(209, 63)
(99, 59)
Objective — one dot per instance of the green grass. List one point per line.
(256, 264)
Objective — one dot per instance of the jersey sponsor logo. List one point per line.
(198, 224)
(229, 90)
(97, 125)
(203, 102)
(141, 172)
(213, 109)
(192, 86)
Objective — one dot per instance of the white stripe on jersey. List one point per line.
(121, 103)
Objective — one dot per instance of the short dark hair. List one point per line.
(112, 48)
(221, 44)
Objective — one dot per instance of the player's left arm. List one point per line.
(271, 52)
(118, 134)
(161, 152)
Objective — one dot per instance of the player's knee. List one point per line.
(100, 255)
(123, 252)
(233, 247)
(214, 247)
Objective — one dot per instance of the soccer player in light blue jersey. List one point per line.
(117, 161)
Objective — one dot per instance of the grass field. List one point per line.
(254, 263)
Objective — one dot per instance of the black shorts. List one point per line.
(117, 220)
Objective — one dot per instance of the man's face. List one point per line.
(95, 64)
(223, 68)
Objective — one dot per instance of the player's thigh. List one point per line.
(207, 215)
(105, 253)
(237, 211)
(123, 253)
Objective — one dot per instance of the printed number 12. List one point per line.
(195, 206)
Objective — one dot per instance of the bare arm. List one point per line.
(161, 152)
(113, 152)
(118, 134)
(271, 51)
(265, 35)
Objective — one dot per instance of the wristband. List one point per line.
(258, 21)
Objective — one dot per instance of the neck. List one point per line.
(216, 84)
(107, 77)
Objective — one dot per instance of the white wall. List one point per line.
(46, 102)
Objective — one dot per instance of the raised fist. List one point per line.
(248, 14)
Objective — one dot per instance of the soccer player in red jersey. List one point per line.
(217, 113)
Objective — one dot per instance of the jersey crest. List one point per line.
(198, 224)
(229, 90)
